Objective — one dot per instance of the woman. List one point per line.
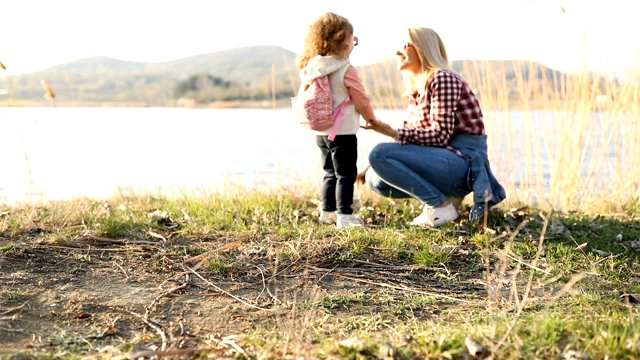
(440, 153)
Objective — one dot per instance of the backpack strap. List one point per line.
(337, 117)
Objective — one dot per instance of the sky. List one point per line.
(567, 35)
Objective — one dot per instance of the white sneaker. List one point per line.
(328, 217)
(456, 201)
(348, 220)
(436, 216)
(357, 204)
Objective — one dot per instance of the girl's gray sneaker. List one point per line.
(348, 220)
(328, 217)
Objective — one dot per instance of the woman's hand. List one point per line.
(360, 178)
(380, 127)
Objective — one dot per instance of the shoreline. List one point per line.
(143, 104)
(286, 103)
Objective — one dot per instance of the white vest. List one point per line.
(336, 68)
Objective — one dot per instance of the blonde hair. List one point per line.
(326, 36)
(433, 57)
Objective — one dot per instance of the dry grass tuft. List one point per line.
(557, 140)
(48, 91)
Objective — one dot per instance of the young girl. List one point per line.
(327, 47)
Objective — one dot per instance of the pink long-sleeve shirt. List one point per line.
(358, 95)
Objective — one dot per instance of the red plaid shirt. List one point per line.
(449, 107)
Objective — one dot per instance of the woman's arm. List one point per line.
(381, 127)
(360, 178)
(430, 118)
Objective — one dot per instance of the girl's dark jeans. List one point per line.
(339, 162)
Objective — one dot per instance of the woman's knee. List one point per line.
(380, 187)
(379, 153)
(375, 183)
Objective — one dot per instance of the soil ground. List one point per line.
(101, 299)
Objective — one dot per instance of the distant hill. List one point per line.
(248, 73)
(112, 80)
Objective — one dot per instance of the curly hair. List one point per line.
(326, 36)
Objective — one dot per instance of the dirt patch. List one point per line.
(147, 299)
(57, 299)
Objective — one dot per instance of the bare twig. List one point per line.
(610, 257)
(395, 267)
(200, 257)
(155, 326)
(227, 340)
(524, 263)
(173, 352)
(389, 249)
(567, 287)
(13, 309)
(391, 286)
(125, 273)
(327, 272)
(265, 287)
(12, 330)
(114, 241)
(152, 324)
(225, 292)
(83, 249)
(527, 290)
(157, 236)
(167, 293)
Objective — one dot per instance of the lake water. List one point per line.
(53, 153)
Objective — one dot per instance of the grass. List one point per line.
(531, 284)
(552, 273)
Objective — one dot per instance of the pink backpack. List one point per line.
(313, 107)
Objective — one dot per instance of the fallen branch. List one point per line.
(155, 326)
(83, 249)
(225, 292)
(265, 287)
(173, 352)
(393, 286)
(524, 263)
(12, 330)
(88, 236)
(395, 267)
(121, 268)
(167, 293)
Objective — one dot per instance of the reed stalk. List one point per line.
(49, 94)
(583, 126)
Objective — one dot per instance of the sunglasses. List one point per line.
(404, 47)
(355, 41)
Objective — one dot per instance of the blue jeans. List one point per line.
(426, 173)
